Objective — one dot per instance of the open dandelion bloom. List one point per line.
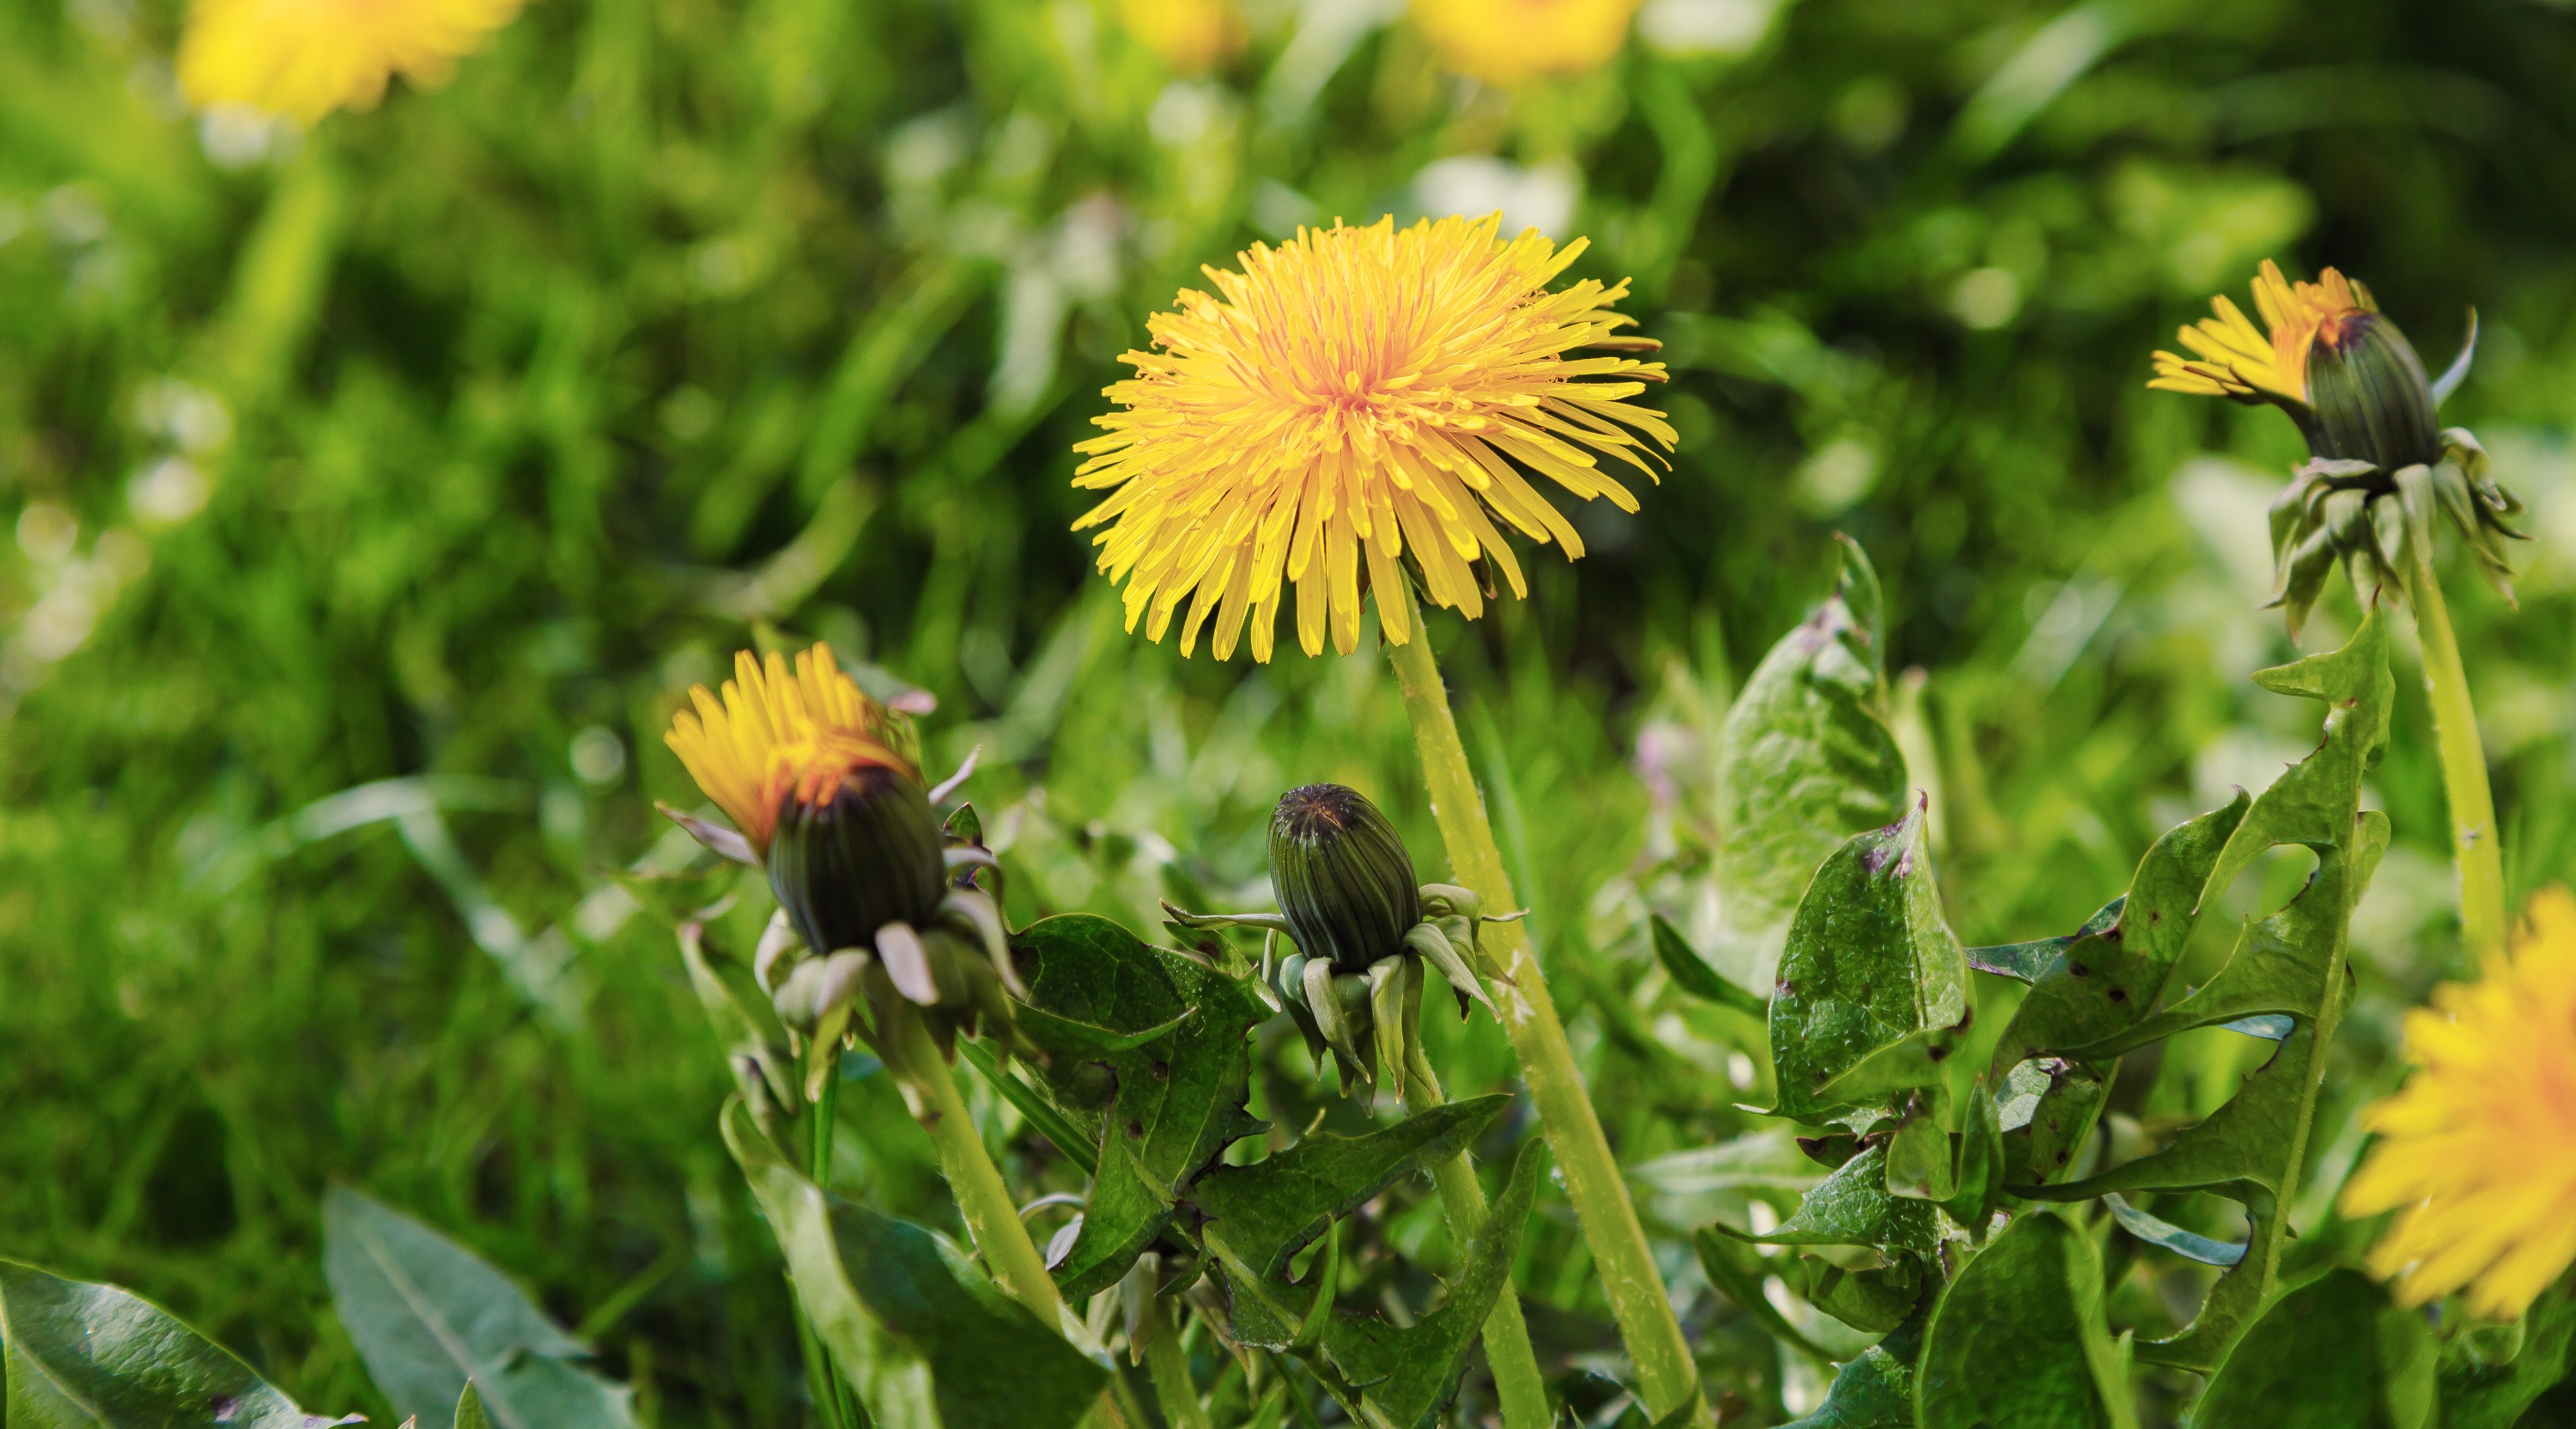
(779, 733)
(1352, 395)
(1188, 36)
(1511, 42)
(2479, 1149)
(308, 57)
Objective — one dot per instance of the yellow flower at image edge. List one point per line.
(1348, 397)
(1511, 42)
(2478, 1152)
(308, 57)
(779, 731)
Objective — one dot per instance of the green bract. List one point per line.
(1342, 877)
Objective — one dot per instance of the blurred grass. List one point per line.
(449, 443)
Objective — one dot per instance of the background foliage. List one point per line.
(378, 491)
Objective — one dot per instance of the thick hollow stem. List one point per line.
(2464, 761)
(991, 1216)
(1592, 1182)
(1507, 1344)
(1170, 1367)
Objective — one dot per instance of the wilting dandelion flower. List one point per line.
(308, 57)
(2478, 1152)
(1511, 42)
(1188, 36)
(1349, 396)
(2328, 357)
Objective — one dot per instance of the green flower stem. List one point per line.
(1507, 1343)
(2455, 735)
(1170, 1367)
(842, 1410)
(992, 1218)
(1638, 1298)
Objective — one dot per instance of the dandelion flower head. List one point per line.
(780, 732)
(1188, 36)
(2477, 1153)
(1349, 397)
(1512, 42)
(306, 58)
(2233, 358)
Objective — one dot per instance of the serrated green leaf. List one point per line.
(1873, 1301)
(1854, 1207)
(2289, 964)
(1873, 987)
(2332, 1354)
(2017, 1340)
(1403, 1374)
(1275, 1207)
(1180, 1089)
(1805, 760)
(83, 1356)
(1692, 974)
(926, 1340)
(428, 1315)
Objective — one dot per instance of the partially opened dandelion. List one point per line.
(2478, 1153)
(1348, 397)
(2380, 468)
(824, 800)
(306, 58)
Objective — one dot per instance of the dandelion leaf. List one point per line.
(1277, 1206)
(1805, 760)
(2332, 1354)
(2030, 1305)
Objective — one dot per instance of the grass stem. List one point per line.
(1507, 1343)
(992, 1218)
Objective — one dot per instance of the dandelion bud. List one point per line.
(2371, 398)
(868, 856)
(1342, 876)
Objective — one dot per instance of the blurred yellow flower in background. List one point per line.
(2478, 1152)
(1511, 42)
(1188, 36)
(308, 57)
(1353, 391)
(779, 731)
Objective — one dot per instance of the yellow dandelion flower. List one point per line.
(1352, 395)
(309, 57)
(1188, 36)
(2479, 1149)
(1511, 42)
(2233, 358)
(778, 733)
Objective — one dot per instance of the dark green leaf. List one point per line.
(2481, 1395)
(428, 1315)
(1873, 990)
(1402, 1374)
(1854, 1207)
(1804, 761)
(1275, 1207)
(924, 1338)
(2017, 1340)
(1692, 974)
(1875, 1391)
(2332, 1354)
(1872, 1301)
(83, 1356)
(1173, 1031)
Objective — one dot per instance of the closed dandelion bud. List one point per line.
(867, 856)
(1342, 877)
(2372, 400)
